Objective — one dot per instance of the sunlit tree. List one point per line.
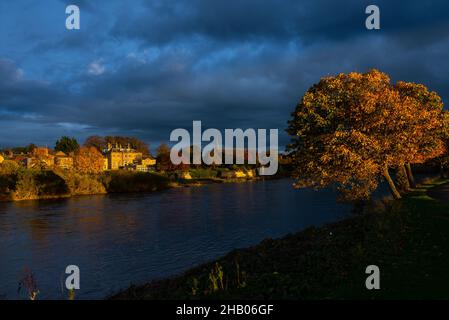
(88, 160)
(351, 129)
(427, 130)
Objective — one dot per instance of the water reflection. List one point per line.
(131, 238)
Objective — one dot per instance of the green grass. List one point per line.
(408, 240)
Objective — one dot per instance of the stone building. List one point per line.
(40, 152)
(119, 157)
(40, 157)
(63, 161)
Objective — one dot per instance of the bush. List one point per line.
(203, 173)
(128, 181)
(8, 167)
(35, 184)
(82, 184)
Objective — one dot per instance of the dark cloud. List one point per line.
(159, 65)
(222, 20)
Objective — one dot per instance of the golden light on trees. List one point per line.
(88, 160)
(351, 129)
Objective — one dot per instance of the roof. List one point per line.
(60, 154)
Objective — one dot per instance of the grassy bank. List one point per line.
(408, 239)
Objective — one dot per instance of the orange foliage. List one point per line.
(350, 129)
(88, 160)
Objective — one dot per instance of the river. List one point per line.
(120, 239)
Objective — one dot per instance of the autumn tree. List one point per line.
(67, 145)
(163, 161)
(351, 129)
(88, 160)
(428, 129)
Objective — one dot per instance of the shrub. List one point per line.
(9, 167)
(82, 184)
(127, 181)
(33, 184)
(203, 173)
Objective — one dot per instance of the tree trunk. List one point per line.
(402, 179)
(390, 181)
(411, 180)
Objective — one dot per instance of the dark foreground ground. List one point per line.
(407, 239)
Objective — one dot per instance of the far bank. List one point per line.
(34, 184)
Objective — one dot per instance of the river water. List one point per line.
(120, 239)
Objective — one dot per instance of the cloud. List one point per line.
(242, 64)
(159, 22)
(96, 68)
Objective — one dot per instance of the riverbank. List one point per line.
(408, 239)
(30, 184)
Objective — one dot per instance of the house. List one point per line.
(39, 157)
(40, 152)
(119, 157)
(1, 159)
(141, 168)
(63, 161)
(33, 162)
(148, 162)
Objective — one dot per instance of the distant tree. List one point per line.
(67, 145)
(30, 148)
(163, 161)
(88, 160)
(140, 146)
(24, 150)
(97, 142)
(195, 149)
(163, 149)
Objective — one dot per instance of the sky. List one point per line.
(145, 67)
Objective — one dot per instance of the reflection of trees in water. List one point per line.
(39, 229)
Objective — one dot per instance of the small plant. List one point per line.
(71, 294)
(194, 286)
(216, 278)
(29, 283)
(241, 276)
